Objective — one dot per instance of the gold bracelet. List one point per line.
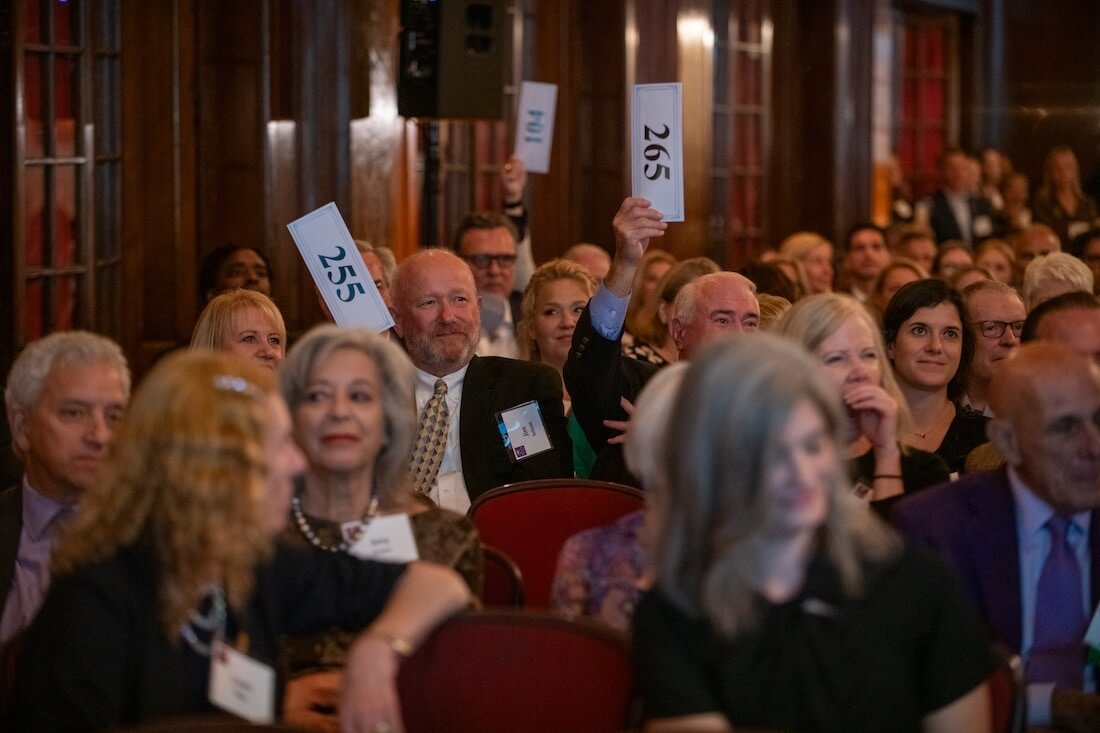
(401, 647)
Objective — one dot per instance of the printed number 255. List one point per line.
(653, 171)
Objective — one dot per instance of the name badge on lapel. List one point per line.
(241, 685)
(522, 431)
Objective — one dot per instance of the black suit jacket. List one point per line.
(11, 526)
(494, 384)
(597, 375)
(97, 656)
(942, 219)
(972, 523)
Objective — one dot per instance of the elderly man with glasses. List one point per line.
(996, 314)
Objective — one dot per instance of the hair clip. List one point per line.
(228, 383)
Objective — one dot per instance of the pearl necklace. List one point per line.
(310, 535)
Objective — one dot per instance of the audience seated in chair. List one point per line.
(436, 315)
(601, 571)
(66, 396)
(1021, 538)
(597, 374)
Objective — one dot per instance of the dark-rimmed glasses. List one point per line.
(996, 329)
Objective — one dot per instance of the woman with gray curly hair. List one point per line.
(350, 394)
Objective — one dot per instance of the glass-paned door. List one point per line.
(67, 158)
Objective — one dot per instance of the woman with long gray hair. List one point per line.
(779, 602)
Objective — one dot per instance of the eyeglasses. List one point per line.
(482, 262)
(996, 329)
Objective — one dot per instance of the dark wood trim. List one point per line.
(9, 198)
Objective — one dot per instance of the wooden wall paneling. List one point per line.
(553, 226)
(278, 97)
(323, 109)
(786, 177)
(158, 176)
(10, 199)
(1052, 73)
(405, 238)
(813, 126)
(852, 123)
(230, 124)
(821, 151)
(601, 138)
(377, 133)
(695, 40)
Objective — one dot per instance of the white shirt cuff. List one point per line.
(1039, 699)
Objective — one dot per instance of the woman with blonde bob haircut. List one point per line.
(245, 323)
(779, 602)
(842, 335)
(172, 552)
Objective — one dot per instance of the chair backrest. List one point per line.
(503, 583)
(1007, 692)
(211, 724)
(530, 521)
(518, 671)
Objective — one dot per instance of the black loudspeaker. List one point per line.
(452, 58)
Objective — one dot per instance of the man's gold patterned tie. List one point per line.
(431, 439)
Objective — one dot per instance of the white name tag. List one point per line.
(657, 150)
(535, 125)
(522, 430)
(241, 685)
(338, 270)
(385, 539)
(983, 226)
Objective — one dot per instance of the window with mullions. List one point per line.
(928, 98)
(742, 56)
(67, 167)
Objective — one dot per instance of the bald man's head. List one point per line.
(1047, 402)
(591, 257)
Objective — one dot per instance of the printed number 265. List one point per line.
(653, 171)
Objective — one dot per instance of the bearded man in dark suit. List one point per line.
(436, 315)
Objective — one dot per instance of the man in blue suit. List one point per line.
(1012, 534)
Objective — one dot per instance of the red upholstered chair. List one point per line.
(1007, 690)
(215, 724)
(518, 671)
(502, 586)
(531, 520)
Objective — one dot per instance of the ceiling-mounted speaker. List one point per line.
(452, 58)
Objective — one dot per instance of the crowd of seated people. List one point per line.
(226, 510)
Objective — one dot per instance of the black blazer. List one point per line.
(942, 219)
(494, 384)
(597, 375)
(11, 526)
(97, 655)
